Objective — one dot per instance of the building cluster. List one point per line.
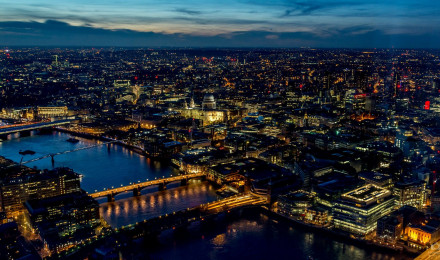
(48, 205)
(344, 140)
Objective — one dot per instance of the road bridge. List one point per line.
(137, 187)
(5, 131)
(431, 253)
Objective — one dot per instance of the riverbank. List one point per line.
(344, 236)
(133, 148)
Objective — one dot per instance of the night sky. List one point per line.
(221, 23)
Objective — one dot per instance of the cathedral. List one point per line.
(207, 113)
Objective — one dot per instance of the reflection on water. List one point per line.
(256, 236)
(134, 209)
(101, 166)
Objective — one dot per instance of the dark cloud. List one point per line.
(187, 11)
(301, 9)
(55, 33)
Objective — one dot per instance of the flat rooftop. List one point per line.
(367, 194)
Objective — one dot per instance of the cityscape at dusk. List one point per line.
(229, 23)
(220, 130)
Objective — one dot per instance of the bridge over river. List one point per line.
(4, 131)
(204, 212)
(137, 187)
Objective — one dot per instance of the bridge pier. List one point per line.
(4, 137)
(110, 197)
(45, 130)
(162, 186)
(136, 192)
(183, 182)
(25, 133)
(53, 160)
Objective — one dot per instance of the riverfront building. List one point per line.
(358, 210)
(63, 220)
(14, 192)
(423, 234)
(49, 112)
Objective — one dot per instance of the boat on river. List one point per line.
(25, 152)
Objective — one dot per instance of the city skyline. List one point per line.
(325, 24)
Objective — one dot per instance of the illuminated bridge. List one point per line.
(205, 212)
(431, 253)
(137, 187)
(29, 127)
(233, 202)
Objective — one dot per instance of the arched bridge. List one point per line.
(137, 187)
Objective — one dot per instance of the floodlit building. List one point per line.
(420, 235)
(49, 112)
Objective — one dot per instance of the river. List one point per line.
(251, 236)
(101, 167)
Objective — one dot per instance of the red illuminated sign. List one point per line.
(427, 104)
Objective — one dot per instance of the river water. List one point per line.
(101, 167)
(251, 236)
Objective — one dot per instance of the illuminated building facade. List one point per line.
(317, 216)
(63, 220)
(49, 112)
(420, 235)
(358, 210)
(294, 204)
(412, 193)
(15, 192)
(208, 113)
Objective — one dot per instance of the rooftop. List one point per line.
(367, 194)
